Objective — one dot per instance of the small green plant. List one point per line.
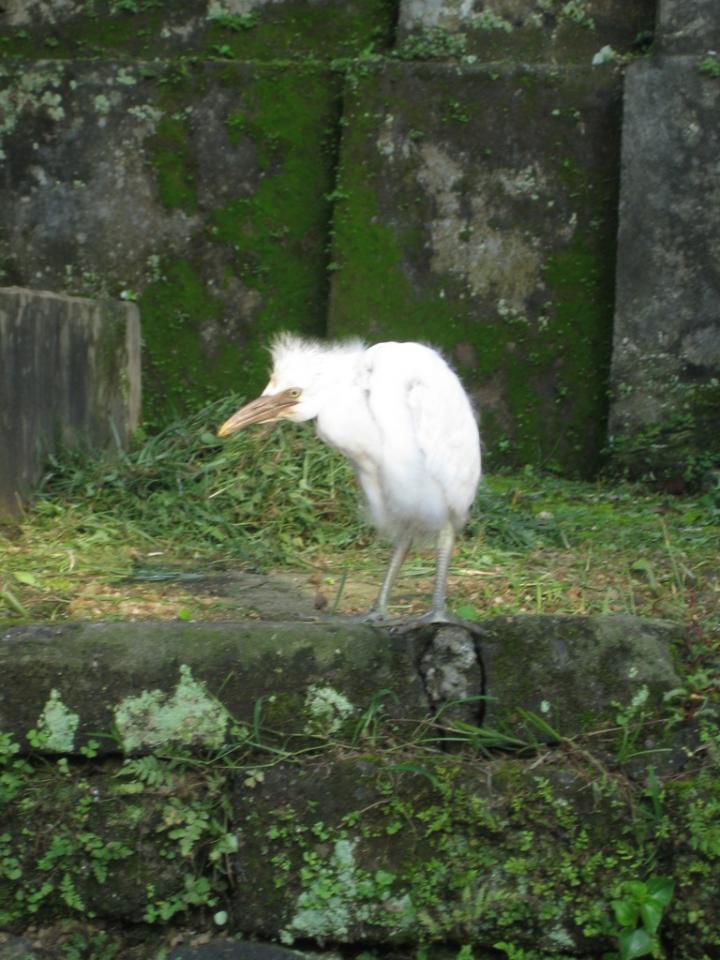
(432, 44)
(639, 911)
(89, 945)
(576, 11)
(491, 21)
(710, 66)
(234, 22)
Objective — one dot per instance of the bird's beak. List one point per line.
(266, 409)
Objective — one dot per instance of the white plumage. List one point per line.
(401, 416)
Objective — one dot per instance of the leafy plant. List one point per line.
(639, 911)
(710, 66)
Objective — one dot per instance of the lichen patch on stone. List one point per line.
(57, 725)
(188, 716)
(327, 710)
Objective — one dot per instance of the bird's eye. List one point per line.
(294, 393)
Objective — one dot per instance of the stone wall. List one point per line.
(665, 415)
(434, 170)
(294, 165)
(70, 375)
(476, 210)
(529, 30)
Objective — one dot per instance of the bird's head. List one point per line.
(296, 389)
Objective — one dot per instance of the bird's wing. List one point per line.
(430, 457)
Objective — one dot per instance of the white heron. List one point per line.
(401, 416)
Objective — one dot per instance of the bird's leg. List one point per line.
(445, 544)
(400, 551)
(437, 613)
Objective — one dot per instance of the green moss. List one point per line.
(266, 244)
(580, 277)
(174, 310)
(170, 154)
(137, 28)
(289, 120)
(296, 29)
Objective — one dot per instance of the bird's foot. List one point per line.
(379, 618)
(373, 617)
(434, 618)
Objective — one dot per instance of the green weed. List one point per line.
(639, 911)
(107, 531)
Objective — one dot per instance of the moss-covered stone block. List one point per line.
(665, 411)
(476, 209)
(90, 845)
(578, 673)
(367, 843)
(139, 687)
(551, 31)
(444, 851)
(694, 805)
(219, 29)
(201, 191)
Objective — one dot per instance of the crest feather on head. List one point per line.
(305, 357)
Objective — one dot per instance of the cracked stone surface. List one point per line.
(452, 672)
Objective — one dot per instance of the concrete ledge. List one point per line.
(71, 376)
(141, 687)
(137, 687)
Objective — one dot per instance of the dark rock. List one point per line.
(20, 948)
(688, 26)
(71, 377)
(574, 673)
(237, 950)
(665, 413)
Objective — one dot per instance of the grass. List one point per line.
(122, 535)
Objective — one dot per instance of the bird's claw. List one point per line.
(377, 618)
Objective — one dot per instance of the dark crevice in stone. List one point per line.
(452, 674)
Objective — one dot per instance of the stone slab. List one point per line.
(374, 855)
(575, 673)
(199, 190)
(529, 30)
(666, 357)
(231, 29)
(135, 687)
(476, 210)
(688, 26)
(140, 686)
(70, 377)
